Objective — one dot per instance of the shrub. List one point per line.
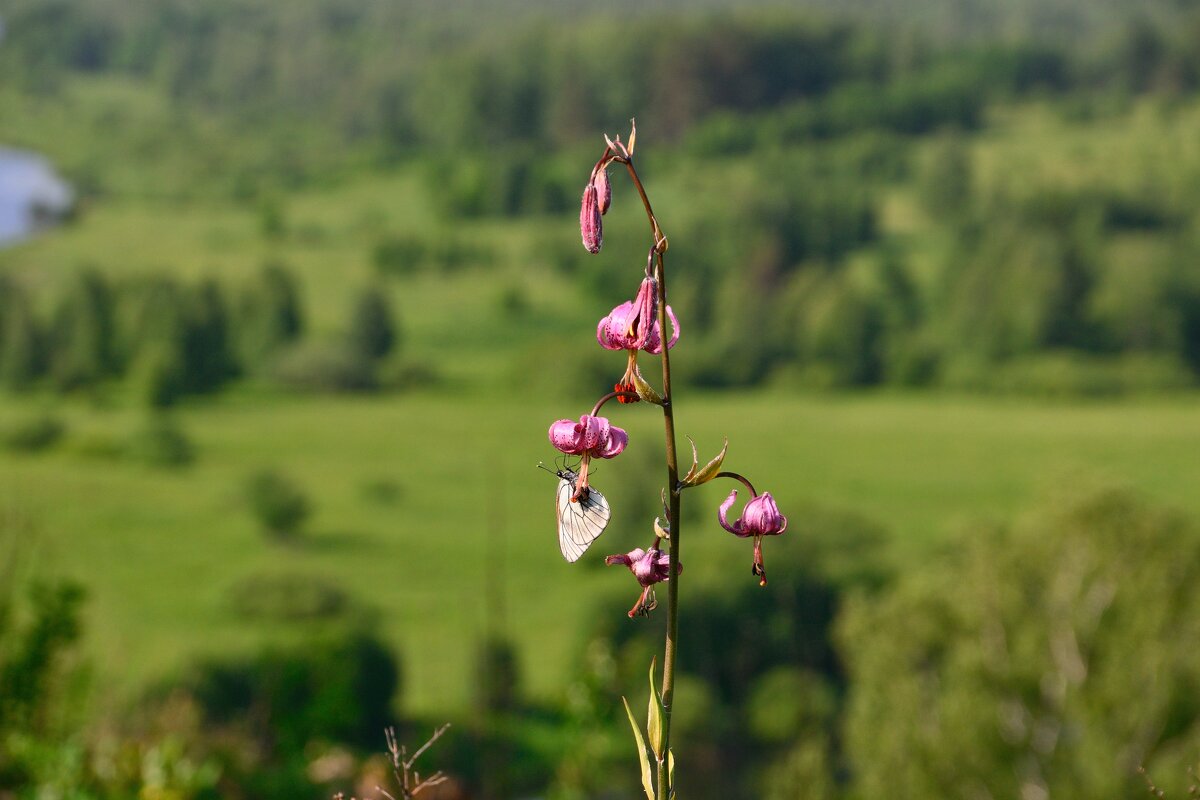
(33, 434)
(337, 686)
(161, 443)
(278, 504)
(324, 367)
(287, 597)
(373, 331)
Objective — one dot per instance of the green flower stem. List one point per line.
(662, 784)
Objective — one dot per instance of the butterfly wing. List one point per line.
(579, 523)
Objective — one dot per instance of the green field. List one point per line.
(159, 551)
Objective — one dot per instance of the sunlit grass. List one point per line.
(159, 550)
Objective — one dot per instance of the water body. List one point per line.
(32, 196)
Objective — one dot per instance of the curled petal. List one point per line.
(612, 330)
(614, 443)
(593, 432)
(654, 340)
(626, 559)
(736, 528)
(762, 516)
(643, 322)
(565, 438)
(645, 569)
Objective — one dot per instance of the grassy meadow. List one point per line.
(160, 551)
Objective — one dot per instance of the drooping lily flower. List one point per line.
(633, 326)
(759, 518)
(591, 437)
(649, 567)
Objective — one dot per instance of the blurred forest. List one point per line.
(944, 250)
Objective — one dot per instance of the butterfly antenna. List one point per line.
(543, 466)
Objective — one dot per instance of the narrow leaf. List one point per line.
(710, 470)
(691, 473)
(647, 780)
(654, 718)
(632, 135)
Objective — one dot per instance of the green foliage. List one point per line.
(82, 333)
(161, 442)
(279, 505)
(38, 628)
(269, 315)
(207, 349)
(258, 716)
(21, 345)
(324, 367)
(373, 331)
(1056, 655)
(947, 179)
(497, 677)
(287, 597)
(33, 433)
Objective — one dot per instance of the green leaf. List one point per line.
(645, 390)
(696, 475)
(647, 780)
(654, 718)
(711, 469)
(671, 772)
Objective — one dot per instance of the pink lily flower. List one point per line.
(591, 437)
(633, 326)
(649, 567)
(759, 518)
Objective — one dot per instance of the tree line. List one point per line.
(173, 339)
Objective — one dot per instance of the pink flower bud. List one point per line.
(603, 187)
(589, 220)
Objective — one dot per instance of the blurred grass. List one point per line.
(160, 551)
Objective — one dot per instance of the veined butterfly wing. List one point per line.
(581, 522)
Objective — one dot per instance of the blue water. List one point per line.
(32, 195)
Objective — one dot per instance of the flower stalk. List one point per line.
(641, 325)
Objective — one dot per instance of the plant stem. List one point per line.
(745, 481)
(662, 784)
(600, 403)
(668, 680)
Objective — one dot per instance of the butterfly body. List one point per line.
(581, 515)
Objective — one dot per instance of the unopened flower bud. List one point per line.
(603, 187)
(589, 220)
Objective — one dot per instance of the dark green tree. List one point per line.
(373, 331)
(278, 504)
(207, 349)
(269, 315)
(20, 340)
(82, 333)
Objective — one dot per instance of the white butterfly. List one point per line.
(580, 522)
